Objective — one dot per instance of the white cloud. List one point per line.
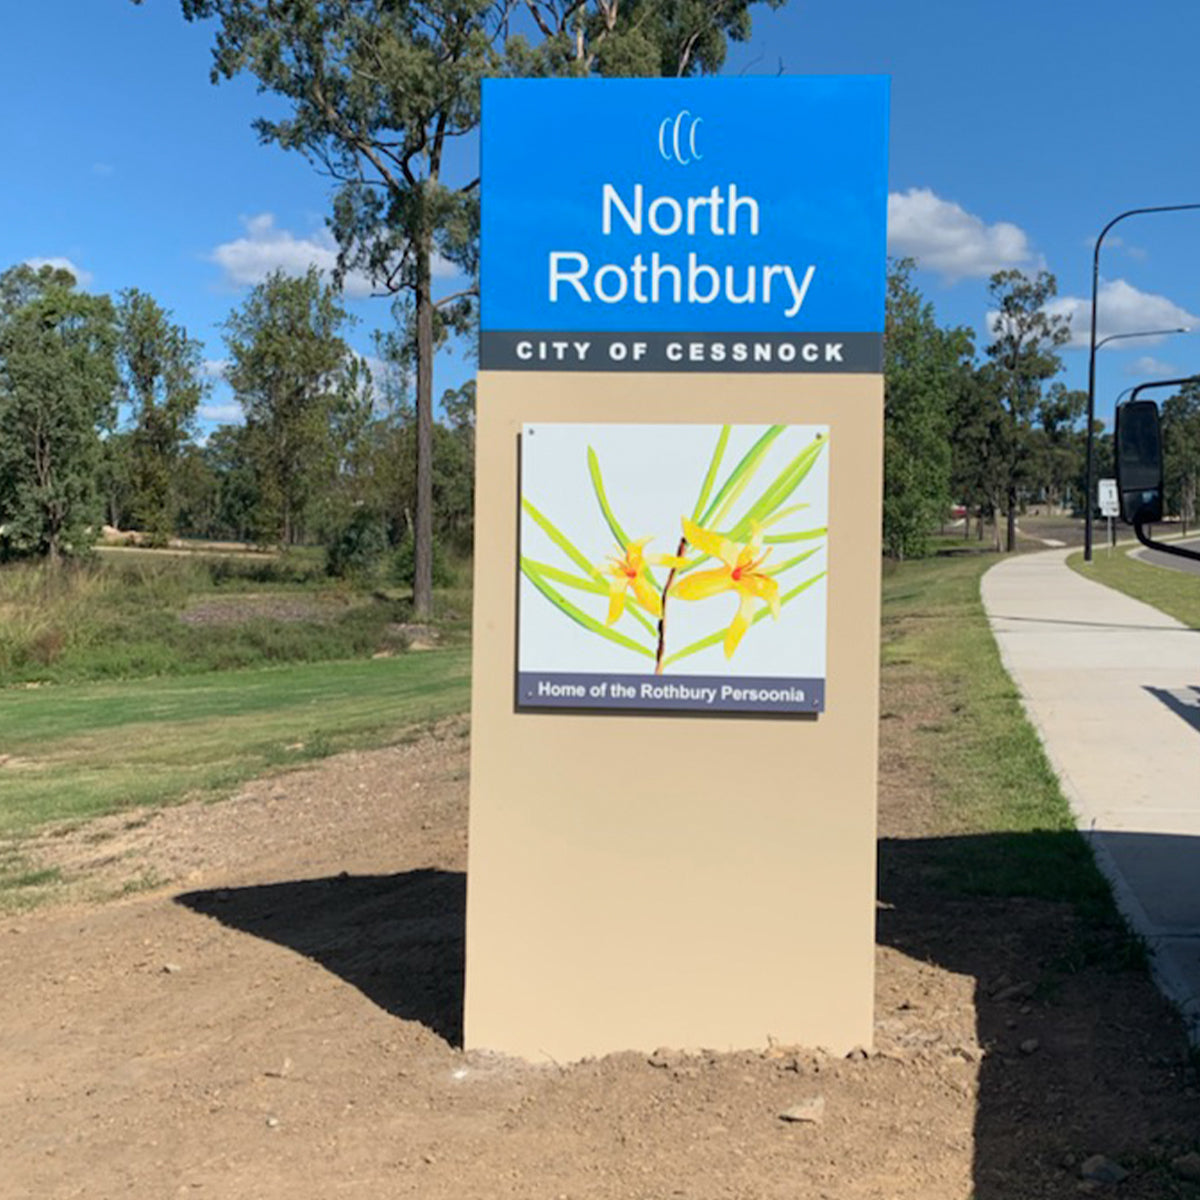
(1121, 308)
(1116, 242)
(248, 260)
(1149, 367)
(264, 248)
(222, 414)
(82, 277)
(943, 237)
(214, 368)
(380, 368)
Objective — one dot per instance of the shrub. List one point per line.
(358, 547)
(404, 565)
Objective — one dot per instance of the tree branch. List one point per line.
(471, 291)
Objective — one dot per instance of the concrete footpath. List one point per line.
(1113, 688)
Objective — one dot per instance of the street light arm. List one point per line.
(1142, 333)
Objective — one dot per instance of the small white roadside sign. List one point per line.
(1109, 505)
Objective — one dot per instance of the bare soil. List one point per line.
(262, 998)
(241, 607)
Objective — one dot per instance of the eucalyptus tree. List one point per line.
(1181, 451)
(1061, 443)
(924, 369)
(58, 383)
(1023, 358)
(380, 92)
(978, 447)
(163, 382)
(293, 374)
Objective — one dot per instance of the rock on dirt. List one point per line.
(1099, 1169)
(810, 1111)
(1187, 1166)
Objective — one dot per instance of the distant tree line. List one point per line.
(99, 402)
(996, 434)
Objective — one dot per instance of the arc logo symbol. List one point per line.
(677, 138)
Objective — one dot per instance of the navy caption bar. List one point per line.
(779, 353)
(689, 693)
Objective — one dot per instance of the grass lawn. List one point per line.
(80, 750)
(1176, 593)
(74, 752)
(978, 754)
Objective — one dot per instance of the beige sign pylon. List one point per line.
(684, 872)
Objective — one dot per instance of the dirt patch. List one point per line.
(266, 606)
(282, 1020)
(416, 637)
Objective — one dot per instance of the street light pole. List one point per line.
(1091, 408)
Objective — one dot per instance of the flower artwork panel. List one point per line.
(677, 567)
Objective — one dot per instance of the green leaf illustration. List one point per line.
(805, 535)
(711, 478)
(778, 516)
(578, 615)
(784, 484)
(602, 499)
(596, 587)
(739, 477)
(715, 639)
(794, 562)
(565, 577)
(561, 540)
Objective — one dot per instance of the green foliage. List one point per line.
(57, 382)
(925, 371)
(1181, 452)
(1023, 357)
(404, 564)
(1059, 446)
(358, 547)
(237, 501)
(162, 381)
(978, 456)
(385, 473)
(294, 377)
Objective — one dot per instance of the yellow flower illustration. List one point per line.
(629, 571)
(740, 571)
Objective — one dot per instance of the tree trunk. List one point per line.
(1010, 522)
(423, 534)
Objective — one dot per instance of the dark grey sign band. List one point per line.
(688, 693)
(741, 353)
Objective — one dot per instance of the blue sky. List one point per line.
(1017, 132)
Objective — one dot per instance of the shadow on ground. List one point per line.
(397, 938)
(1110, 1073)
(1082, 1055)
(1183, 702)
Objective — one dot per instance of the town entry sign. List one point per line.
(677, 564)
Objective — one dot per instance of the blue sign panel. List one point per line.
(694, 213)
